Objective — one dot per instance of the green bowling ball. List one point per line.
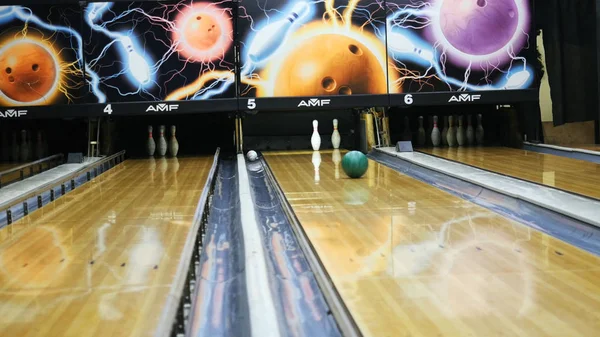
(355, 164)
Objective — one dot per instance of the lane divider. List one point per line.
(263, 316)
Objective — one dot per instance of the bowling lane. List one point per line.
(101, 260)
(568, 174)
(411, 260)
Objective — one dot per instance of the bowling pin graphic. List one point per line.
(173, 143)
(445, 132)
(162, 142)
(335, 136)
(151, 145)
(138, 67)
(336, 157)
(421, 133)
(315, 139)
(316, 160)
(272, 36)
(461, 138)
(470, 132)
(435, 133)
(451, 137)
(24, 147)
(479, 131)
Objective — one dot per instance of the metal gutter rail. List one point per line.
(20, 206)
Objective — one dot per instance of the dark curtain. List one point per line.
(569, 29)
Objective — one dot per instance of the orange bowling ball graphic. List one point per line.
(202, 31)
(330, 64)
(28, 71)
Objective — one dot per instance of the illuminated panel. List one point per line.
(312, 48)
(160, 51)
(41, 56)
(459, 45)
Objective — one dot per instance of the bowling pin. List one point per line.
(268, 40)
(336, 157)
(16, 151)
(151, 145)
(335, 136)
(451, 137)
(406, 135)
(39, 147)
(435, 133)
(173, 143)
(24, 147)
(461, 138)
(479, 131)
(162, 142)
(316, 160)
(421, 133)
(429, 130)
(470, 132)
(315, 139)
(445, 132)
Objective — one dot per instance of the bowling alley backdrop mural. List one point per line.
(459, 45)
(312, 48)
(41, 56)
(160, 51)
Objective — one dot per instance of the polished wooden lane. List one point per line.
(573, 175)
(100, 261)
(411, 260)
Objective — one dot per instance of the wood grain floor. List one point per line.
(411, 260)
(100, 261)
(568, 174)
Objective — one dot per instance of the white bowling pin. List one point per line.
(445, 132)
(335, 136)
(316, 160)
(461, 138)
(451, 137)
(421, 138)
(470, 132)
(162, 142)
(435, 133)
(150, 145)
(173, 143)
(315, 139)
(272, 36)
(479, 131)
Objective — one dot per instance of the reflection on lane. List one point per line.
(409, 259)
(103, 258)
